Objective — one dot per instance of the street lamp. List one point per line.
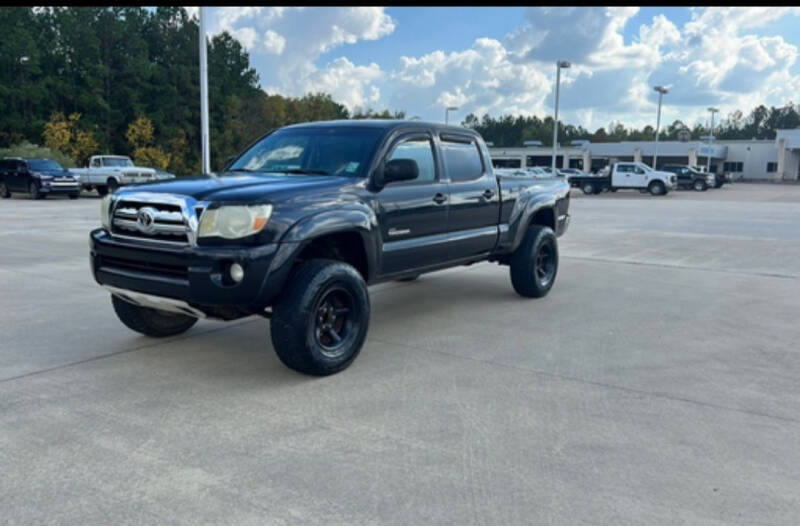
(447, 111)
(661, 91)
(559, 64)
(710, 139)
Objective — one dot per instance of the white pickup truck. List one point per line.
(627, 176)
(106, 173)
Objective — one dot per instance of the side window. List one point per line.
(96, 162)
(623, 168)
(21, 166)
(463, 160)
(419, 150)
(4, 165)
(638, 170)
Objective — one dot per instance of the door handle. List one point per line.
(488, 193)
(439, 198)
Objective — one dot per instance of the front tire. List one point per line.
(534, 264)
(102, 191)
(700, 186)
(657, 188)
(33, 190)
(151, 322)
(320, 320)
(588, 188)
(4, 193)
(112, 186)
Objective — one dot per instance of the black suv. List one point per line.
(37, 177)
(689, 178)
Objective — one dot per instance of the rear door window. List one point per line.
(463, 159)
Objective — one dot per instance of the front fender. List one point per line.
(355, 218)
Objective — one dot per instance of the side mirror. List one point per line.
(400, 170)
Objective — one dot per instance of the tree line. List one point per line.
(125, 80)
(510, 130)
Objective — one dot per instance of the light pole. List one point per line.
(447, 112)
(710, 140)
(204, 95)
(560, 64)
(661, 91)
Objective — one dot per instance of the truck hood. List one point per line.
(237, 187)
(55, 173)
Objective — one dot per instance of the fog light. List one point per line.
(237, 272)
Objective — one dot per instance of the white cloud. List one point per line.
(273, 43)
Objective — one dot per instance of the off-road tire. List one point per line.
(299, 317)
(533, 272)
(151, 322)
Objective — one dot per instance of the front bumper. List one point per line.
(60, 188)
(194, 275)
(562, 224)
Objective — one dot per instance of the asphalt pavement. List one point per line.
(658, 383)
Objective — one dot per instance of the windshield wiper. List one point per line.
(306, 171)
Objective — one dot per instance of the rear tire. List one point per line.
(534, 264)
(320, 320)
(588, 188)
(151, 322)
(112, 185)
(4, 193)
(657, 188)
(102, 191)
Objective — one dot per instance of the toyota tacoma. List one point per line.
(306, 217)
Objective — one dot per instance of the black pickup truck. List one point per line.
(306, 217)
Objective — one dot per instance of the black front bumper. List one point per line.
(196, 275)
(59, 189)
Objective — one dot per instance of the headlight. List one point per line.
(233, 222)
(105, 209)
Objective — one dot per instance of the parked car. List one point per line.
(719, 178)
(307, 217)
(569, 173)
(689, 178)
(522, 172)
(627, 176)
(106, 173)
(36, 177)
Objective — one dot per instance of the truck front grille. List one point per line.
(108, 263)
(150, 221)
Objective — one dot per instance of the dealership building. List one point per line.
(774, 160)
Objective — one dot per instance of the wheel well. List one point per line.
(544, 217)
(345, 246)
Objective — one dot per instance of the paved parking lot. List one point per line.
(658, 383)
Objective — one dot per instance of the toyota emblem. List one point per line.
(145, 219)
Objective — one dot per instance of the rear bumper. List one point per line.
(197, 276)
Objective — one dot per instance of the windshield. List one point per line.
(341, 150)
(117, 161)
(38, 165)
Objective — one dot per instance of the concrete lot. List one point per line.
(658, 383)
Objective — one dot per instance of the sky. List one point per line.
(502, 60)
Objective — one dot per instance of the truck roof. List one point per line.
(386, 124)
